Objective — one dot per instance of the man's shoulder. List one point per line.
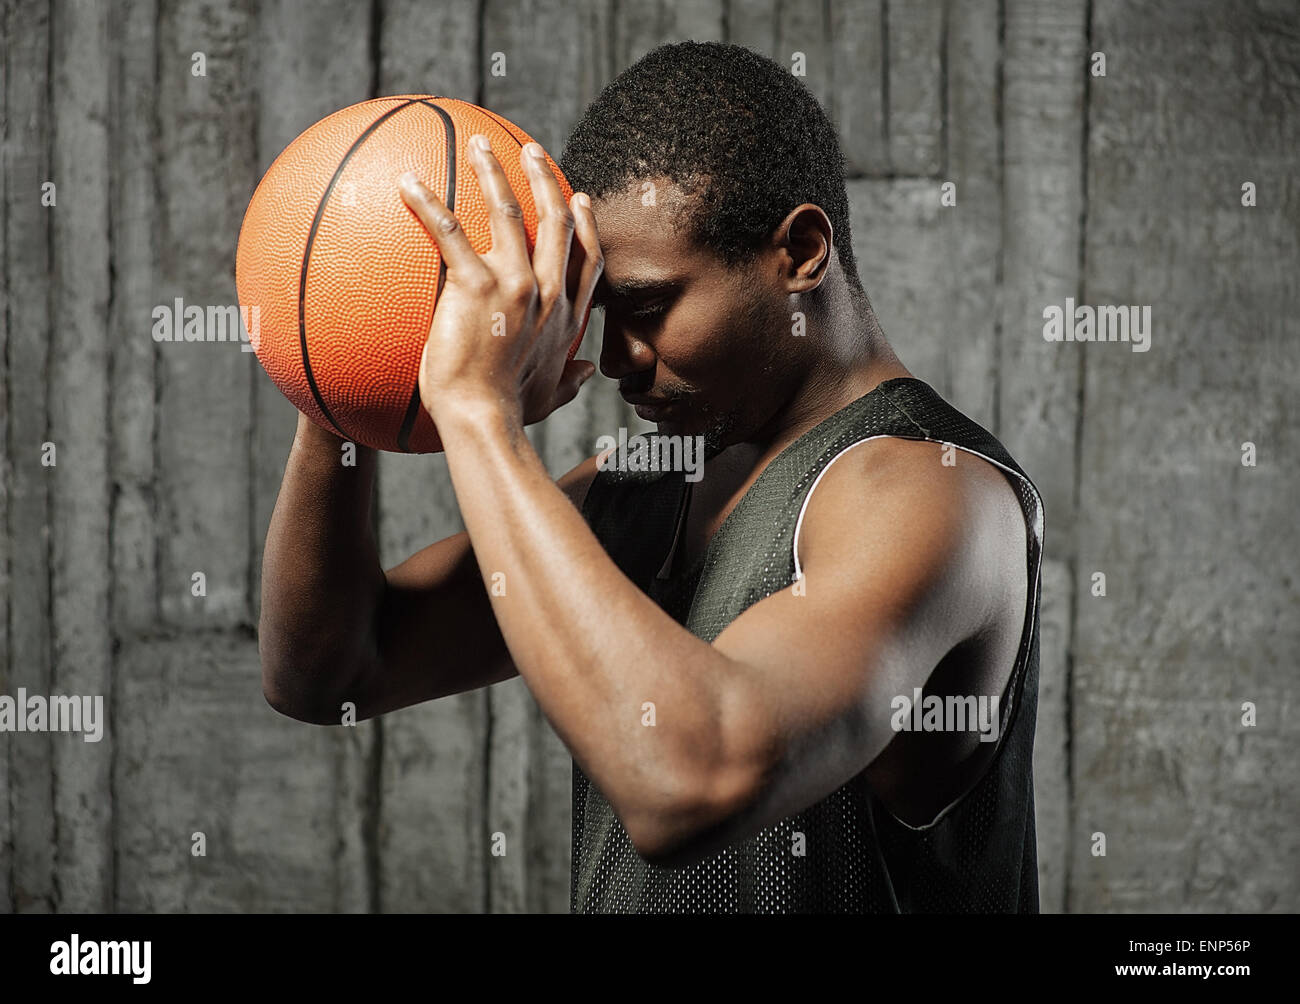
(952, 510)
(944, 479)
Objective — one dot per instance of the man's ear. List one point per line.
(806, 236)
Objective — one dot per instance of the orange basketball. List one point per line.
(341, 274)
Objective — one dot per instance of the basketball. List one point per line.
(341, 275)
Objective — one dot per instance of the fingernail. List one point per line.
(582, 200)
(535, 150)
(408, 181)
(480, 141)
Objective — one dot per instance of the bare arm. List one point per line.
(336, 627)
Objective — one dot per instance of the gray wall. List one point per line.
(1122, 189)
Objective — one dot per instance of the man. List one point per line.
(777, 699)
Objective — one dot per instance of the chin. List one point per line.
(714, 429)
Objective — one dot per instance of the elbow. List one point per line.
(309, 709)
(663, 849)
(697, 824)
(296, 693)
(673, 843)
(710, 804)
(280, 697)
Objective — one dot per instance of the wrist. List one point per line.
(318, 441)
(309, 435)
(468, 412)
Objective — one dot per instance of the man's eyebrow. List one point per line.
(634, 287)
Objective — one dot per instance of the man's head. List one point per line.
(718, 189)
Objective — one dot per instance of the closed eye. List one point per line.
(641, 311)
(650, 310)
(637, 300)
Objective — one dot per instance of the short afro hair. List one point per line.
(734, 130)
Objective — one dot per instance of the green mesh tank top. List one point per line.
(978, 855)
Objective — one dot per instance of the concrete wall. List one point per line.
(1117, 189)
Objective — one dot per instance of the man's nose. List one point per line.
(622, 354)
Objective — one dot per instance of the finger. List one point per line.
(586, 263)
(505, 216)
(554, 224)
(441, 223)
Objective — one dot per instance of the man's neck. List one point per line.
(853, 359)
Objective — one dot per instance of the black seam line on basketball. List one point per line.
(502, 123)
(306, 259)
(413, 406)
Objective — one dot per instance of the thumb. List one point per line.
(576, 373)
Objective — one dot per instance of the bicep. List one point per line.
(885, 593)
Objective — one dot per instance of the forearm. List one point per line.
(321, 576)
(592, 647)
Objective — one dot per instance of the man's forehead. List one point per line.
(638, 237)
(646, 210)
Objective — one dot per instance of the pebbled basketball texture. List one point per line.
(342, 274)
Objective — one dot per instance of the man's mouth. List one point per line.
(651, 408)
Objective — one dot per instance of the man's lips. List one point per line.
(649, 407)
